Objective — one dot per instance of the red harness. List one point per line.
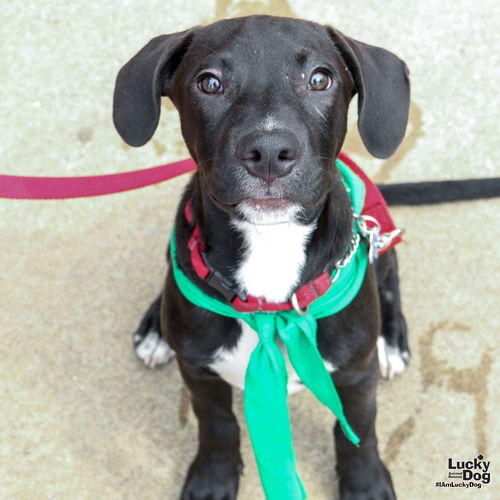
(374, 206)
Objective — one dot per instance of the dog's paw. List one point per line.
(374, 484)
(391, 359)
(379, 492)
(152, 349)
(212, 480)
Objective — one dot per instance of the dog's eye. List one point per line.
(210, 84)
(320, 80)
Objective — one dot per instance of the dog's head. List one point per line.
(263, 105)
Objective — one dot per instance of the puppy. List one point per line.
(263, 105)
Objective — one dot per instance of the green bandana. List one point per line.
(266, 377)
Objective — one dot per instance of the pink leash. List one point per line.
(56, 188)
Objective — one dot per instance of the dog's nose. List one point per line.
(268, 154)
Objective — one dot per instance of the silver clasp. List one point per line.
(378, 241)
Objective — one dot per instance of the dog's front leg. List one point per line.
(362, 475)
(214, 473)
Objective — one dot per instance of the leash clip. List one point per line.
(378, 241)
(386, 238)
(371, 234)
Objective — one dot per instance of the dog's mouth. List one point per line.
(268, 210)
(268, 203)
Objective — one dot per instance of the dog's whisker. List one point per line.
(206, 161)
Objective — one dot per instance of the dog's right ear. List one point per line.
(141, 83)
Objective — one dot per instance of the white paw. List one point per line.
(153, 350)
(391, 360)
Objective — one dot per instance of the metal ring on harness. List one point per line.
(295, 304)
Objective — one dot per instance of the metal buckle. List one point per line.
(218, 284)
(295, 304)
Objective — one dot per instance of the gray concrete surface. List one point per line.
(80, 417)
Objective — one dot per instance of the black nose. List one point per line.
(268, 155)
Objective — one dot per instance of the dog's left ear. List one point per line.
(383, 86)
(141, 83)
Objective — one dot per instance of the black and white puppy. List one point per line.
(263, 104)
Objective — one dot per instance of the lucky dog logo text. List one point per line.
(473, 473)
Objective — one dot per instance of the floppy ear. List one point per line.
(141, 83)
(383, 86)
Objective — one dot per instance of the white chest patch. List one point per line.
(274, 257)
(232, 364)
(271, 267)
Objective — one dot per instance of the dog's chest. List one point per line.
(273, 258)
(231, 364)
(270, 268)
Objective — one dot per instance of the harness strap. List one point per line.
(374, 204)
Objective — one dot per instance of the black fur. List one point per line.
(263, 65)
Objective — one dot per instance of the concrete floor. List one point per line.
(81, 417)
